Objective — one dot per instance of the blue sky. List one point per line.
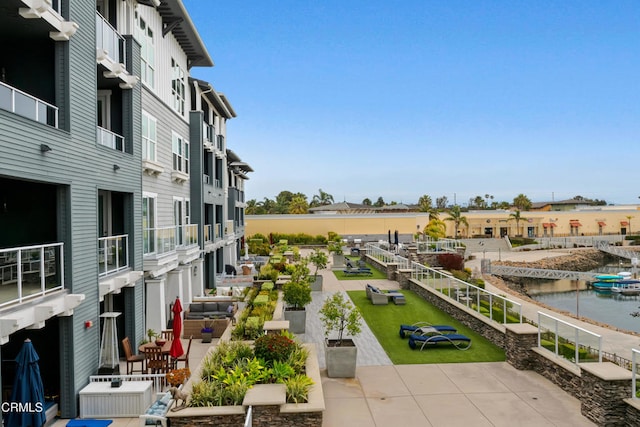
(396, 99)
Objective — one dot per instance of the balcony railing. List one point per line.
(228, 227)
(16, 101)
(209, 132)
(217, 183)
(159, 241)
(30, 271)
(187, 234)
(208, 237)
(206, 179)
(113, 254)
(108, 39)
(218, 231)
(110, 139)
(220, 142)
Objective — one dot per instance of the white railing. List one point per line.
(634, 372)
(113, 254)
(228, 227)
(16, 101)
(208, 237)
(159, 241)
(30, 271)
(209, 132)
(220, 142)
(442, 245)
(496, 307)
(387, 257)
(218, 230)
(217, 183)
(206, 179)
(569, 341)
(110, 139)
(187, 234)
(108, 39)
(159, 380)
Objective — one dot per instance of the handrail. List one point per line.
(28, 106)
(159, 240)
(576, 337)
(109, 40)
(158, 379)
(208, 237)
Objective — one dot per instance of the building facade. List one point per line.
(117, 189)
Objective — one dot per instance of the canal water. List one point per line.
(577, 297)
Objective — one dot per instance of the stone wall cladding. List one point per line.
(518, 347)
(603, 401)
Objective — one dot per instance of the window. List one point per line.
(144, 35)
(149, 137)
(149, 222)
(180, 154)
(177, 87)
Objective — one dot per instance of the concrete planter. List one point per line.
(316, 285)
(297, 320)
(341, 361)
(338, 261)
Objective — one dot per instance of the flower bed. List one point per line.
(260, 308)
(234, 367)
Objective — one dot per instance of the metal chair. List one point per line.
(132, 359)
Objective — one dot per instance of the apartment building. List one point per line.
(117, 190)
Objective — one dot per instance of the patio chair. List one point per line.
(167, 334)
(155, 360)
(379, 298)
(132, 359)
(424, 328)
(460, 342)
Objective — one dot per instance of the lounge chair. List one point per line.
(424, 328)
(358, 272)
(379, 297)
(460, 342)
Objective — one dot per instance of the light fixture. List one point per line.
(44, 148)
(115, 167)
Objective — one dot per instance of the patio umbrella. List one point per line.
(395, 237)
(27, 390)
(176, 346)
(389, 236)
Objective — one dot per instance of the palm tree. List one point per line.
(425, 203)
(436, 229)
(456, 216)
(298, 205)
(517, 218)
(321, 199)
(522, 202)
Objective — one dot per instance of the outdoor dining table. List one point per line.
(166, 347)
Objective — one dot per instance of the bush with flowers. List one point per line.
(176, 377)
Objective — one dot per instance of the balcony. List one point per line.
(208, 133)
(114, 272)
(188, 248)
(18, 102)
(110, 53)
(49, 11)
(159, 246)
(33, 274)
(110, 139)
(30, 271)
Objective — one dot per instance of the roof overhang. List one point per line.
(176, 20)
(217, 99)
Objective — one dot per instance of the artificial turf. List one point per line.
(375, 273)
(384, 321)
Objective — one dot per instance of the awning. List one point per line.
(548, 224)
(575, 224)
(624, 223)
(601, 223)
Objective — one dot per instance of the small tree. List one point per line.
(319, 259)
(339, 314)
(296, 294)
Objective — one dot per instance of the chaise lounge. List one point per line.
(461, 342)
(379, 297)
(423, 328)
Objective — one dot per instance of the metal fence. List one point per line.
(387, 257)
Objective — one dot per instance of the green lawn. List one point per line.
(376, 274)
(385, 320)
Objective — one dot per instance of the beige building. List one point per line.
(603, 220)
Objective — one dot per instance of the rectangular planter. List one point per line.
(341, 361)
(297, 320)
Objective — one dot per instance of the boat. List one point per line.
(608, 277)
(630, 287)
(603, 286)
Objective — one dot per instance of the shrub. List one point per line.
(297, 294)
(451, 261)
(298, 388)
(266, 286)
(272, 347)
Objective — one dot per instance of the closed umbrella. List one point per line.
(27, 390)
(389, 233)
(176, 346)
(395, 237)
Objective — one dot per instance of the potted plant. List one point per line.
(335, 247)
(339, 315)
(207, 330)
(296, 294)
(319, 260)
